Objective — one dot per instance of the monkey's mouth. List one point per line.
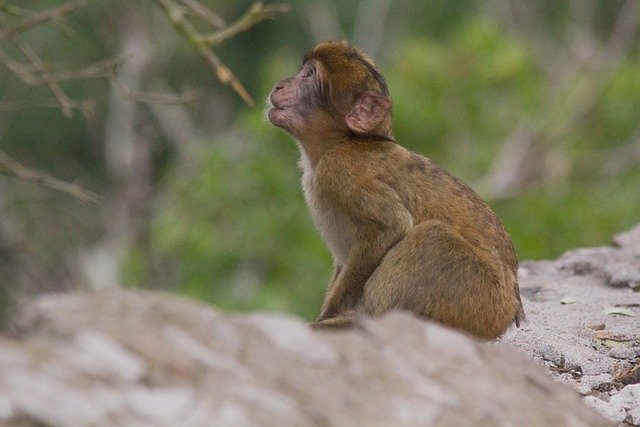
(279, 105)
(278, 112)
(276, 116)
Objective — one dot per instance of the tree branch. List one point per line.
(54, 86)
(258, 12)
(22, 71)
(10, 167)
(202, 43)
(204, 13)
(50, 15)
(98, 70)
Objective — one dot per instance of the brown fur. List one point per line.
(402, 231)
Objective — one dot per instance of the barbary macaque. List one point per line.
(403, 232)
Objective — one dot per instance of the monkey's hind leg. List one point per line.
(434, 272)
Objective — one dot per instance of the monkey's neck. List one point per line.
(314, 147)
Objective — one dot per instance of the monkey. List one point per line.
(403, 232)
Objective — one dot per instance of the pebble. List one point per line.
(622, 352)
(610, 411)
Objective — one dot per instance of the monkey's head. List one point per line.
(337, 92)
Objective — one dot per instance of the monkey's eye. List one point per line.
(307, 72)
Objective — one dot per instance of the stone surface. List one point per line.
(614, 266)
(629, 240)
(141, 358)
(580, 343)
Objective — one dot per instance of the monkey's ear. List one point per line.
(369, 110)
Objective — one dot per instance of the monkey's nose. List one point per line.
(278, 87)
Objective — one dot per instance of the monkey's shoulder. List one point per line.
(362, 159)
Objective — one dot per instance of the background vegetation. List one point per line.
(536, 104)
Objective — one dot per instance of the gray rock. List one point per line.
(571, 338)
(622, 352)
(142, 358)
(612, 412)
(617, 267)
(628, 397)
(629, 240)
(633, 416)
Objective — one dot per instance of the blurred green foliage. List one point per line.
(238, 231)
(237, 228)
(230, 225)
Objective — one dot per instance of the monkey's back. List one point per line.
(444, 197)
(428, 192)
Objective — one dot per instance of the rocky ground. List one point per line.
(583, 323)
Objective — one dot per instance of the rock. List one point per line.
(610, 411)
(629, 240)
(633, 416)
(622, 352)
(617, 267)
(582, 345)
(146, 358)
(628, 397)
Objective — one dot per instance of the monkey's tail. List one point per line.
(520, 316)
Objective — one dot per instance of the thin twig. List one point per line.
(27, 105)
(22, 71)
(26, 13)
(204, 13)
(258, 12)
(54, 86)
(53, 14)
(202, 43)
(176, 16)
(97, 70)
(10, 167)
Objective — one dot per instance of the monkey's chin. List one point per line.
(276, 117)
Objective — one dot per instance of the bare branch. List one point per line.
(27, 105)
(204, 13)
(258, 12)
(26, 13)
(202, 43)
(51, 15)
(10, 167)
(98, 70)
(177, 18)
(22, 71)
(36, 71)
(54, 86)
